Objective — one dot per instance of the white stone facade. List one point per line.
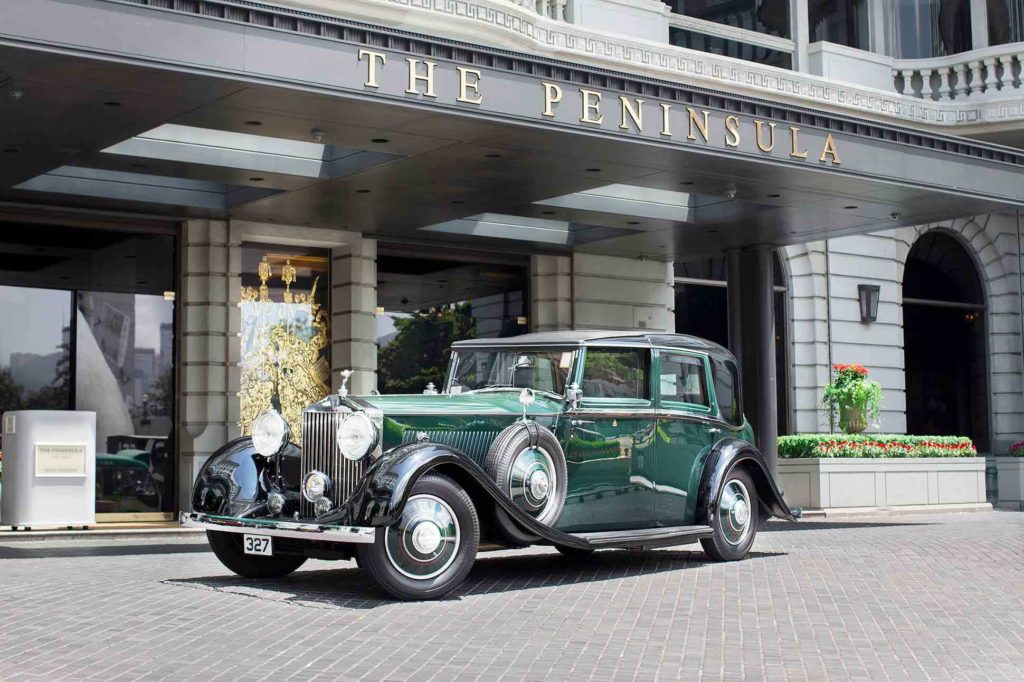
(825, 308)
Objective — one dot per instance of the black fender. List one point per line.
(726, 454)
(381, 496)
(235, 480)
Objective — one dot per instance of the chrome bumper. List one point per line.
(279, 529)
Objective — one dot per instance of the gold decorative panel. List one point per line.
(285, 329)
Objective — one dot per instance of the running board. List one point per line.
(646, 537)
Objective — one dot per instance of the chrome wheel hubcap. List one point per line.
(425, 541)
(531, 480)
(426, 538)
(734, 512)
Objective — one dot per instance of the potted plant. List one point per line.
(853, 400)
(1010, 477)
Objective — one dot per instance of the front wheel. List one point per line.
(228, 548)
(430, 550)
(735, 520)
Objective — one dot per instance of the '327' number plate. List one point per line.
(258, 544)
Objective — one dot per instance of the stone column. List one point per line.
(208, 317)
(757, 354)
(979, 24)
(801, 34)
(550, 293)
(354, 313)
(622, 293)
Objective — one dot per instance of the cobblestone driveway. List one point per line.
(914, 597)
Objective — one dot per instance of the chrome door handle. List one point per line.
(713, 430)
(579, 422)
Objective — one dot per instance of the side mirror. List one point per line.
(573, 395)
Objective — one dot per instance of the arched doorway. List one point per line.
(944, 341)
(702, 310)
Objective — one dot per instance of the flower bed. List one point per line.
(1017, 449)
(831, 445)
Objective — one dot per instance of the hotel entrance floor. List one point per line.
(913, 597)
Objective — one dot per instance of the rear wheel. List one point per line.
(735, 520)
(430, 550)
(228, 548)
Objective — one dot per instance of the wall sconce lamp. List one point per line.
(867, 295)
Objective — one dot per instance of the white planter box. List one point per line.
(858, 485)
(1010, 471)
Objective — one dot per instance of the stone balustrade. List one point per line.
(960, 76)
(552, 9)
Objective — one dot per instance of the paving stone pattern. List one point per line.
(915, 597)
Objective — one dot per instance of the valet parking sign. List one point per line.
(505, 93)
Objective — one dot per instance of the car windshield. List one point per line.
(485, 368)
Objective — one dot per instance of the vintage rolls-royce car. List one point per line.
(580, 440)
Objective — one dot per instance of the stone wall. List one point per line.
(821, 305)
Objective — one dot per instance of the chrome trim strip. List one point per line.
(279, 529)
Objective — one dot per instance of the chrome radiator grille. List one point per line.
(320, 452)
(473, 443)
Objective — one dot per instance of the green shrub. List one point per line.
(873, 445)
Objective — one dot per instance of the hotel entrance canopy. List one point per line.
(212, 108)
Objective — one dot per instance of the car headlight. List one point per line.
(269, 433)
(315, 485)
(357, 436)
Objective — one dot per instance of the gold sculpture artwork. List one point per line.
(283, 346)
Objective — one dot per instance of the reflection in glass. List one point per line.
(763, 16)
(124, 372)
(35, 349)
(426, 304)
(730, 48)
(285, 361)
(1005, 21)
(542, 370)
(931, 28)
(841, 21)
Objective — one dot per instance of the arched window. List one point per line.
(702, 309)
(944, 341)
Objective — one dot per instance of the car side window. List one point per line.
(682, 380)
(727, 391)
(616, 373)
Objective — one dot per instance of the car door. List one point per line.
(685, 433)
(610, 445)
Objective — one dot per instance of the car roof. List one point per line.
(598, 337)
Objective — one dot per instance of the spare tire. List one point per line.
(528, 464)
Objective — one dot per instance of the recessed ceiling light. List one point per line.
(130, 256)
(633, 222)
(113, 103)
(458, 201)
(65, 277)
(849, 207)
(10, 150)
(362, 191)
(593, 170)
(492, 156)
(548, 212)
(138, 165)
(254, 123)
(142, 281)
(379, 140)
(256, 179)
(712, 231)
(686, 182)
(774, 196)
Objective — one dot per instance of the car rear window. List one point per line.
(727, 391)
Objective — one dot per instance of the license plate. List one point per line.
(258, 544)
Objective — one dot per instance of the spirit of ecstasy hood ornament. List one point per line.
(343, 389)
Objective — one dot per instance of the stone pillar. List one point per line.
(979, 24)
(757, 352)
(208, 317)
(354, 313)
(801, 35)
(550, 293)
(622, 293)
